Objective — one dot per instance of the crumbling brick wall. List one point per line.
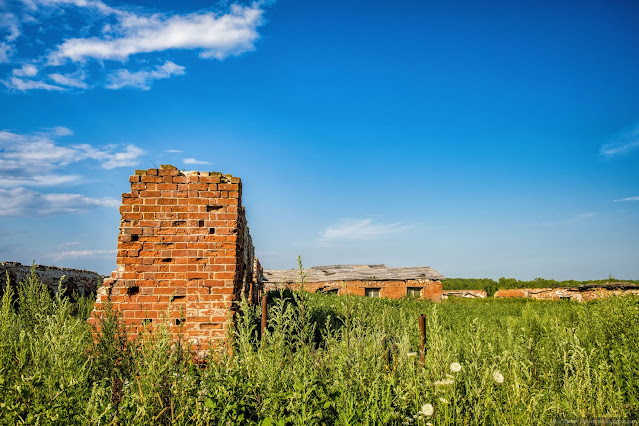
(580, 294)
(76, 281)
(468, 294)
(184, 254)
(390, 289)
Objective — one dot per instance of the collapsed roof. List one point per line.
(351, 273)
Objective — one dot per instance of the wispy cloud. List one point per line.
(216, 36)
(576, 219)
(172, 151)
(38, 160)
(69, 244)
(75, 254)
(143, 79)
(9, 27)
(22, 154)
(25, 202)
(621, 144)
(70, 80)
(194, 161)
(359, 229)
(117, 34)
(628, 199)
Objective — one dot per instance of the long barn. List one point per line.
(363, 280)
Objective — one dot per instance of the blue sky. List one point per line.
(484, 139)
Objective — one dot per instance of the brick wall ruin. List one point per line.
(361, 280)
(185, 255)
(467, 294)
(76, 281)
(580, 294)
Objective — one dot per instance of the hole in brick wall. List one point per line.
(178, 321)
(167, 259)
(211, 230)
(211, 208)
(134, 237)
(178, 222)
(235, 231)
(182, 296)
(133, 290)
(147, 321)
(200, 223)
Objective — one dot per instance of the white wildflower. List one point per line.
(455, 367)
(444, 382)
(427, 410)
(443, 400)
(411, 354)
(498, 377)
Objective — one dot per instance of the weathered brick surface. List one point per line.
(468, 294)
(185, 254)
(580, 294)
(430, 289)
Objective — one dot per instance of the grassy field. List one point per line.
(326, 360)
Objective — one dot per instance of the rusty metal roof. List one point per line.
(352, 273)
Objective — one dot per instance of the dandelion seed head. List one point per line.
(427, 410)
(498, 377)
(444, 382)
(455, 367)
(443, 400)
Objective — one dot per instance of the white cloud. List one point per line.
(5, 52)
(622, 144)
(217, 36)
(24, 85)
(39, 180)
(27, 70)
(61, 131)
(117, 34)
(194, 161)
(91, 4)
(69, 244)
(25, 202)
(69, 80)
(124, 159)
(142, 79)
(9, 22)
(172, 150)
(34, 159)
(74, 254)
(629, 199)
(359, 229)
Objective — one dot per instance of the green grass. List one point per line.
(325, 360)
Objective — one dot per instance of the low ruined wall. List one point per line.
(431, 289)
(580, 294)
(75, 280)
(468, 294)
(185, 255)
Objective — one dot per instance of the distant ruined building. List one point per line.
(80, 282)
(362, 280)
(580, 294)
